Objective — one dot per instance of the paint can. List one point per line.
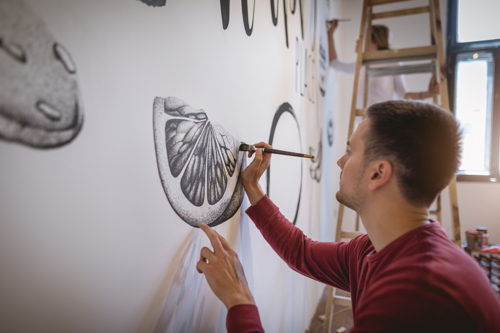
(484, 231)
(474, 240)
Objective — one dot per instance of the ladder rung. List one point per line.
(398, 70)
(383, 2)
(397, 55)
(350, 234)
(342, 300)
(434, 211)
(403, 12)
(360, 112)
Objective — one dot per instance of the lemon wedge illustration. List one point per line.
(198, 161)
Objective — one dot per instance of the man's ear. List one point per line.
(380, 174)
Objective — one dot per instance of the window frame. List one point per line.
(454, 50)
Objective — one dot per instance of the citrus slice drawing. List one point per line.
(199, 163)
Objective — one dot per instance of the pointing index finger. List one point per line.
(213, 237)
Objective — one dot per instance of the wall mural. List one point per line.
(329, 132)
(224, 6)
(39, 96)
(284, 108)
(199, 163)
(315, 168)
(154, 3)
(224, 11)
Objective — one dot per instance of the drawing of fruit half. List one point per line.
(199, 163)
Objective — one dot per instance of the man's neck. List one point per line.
(386, 223)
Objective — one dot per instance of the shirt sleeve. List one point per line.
(243, 318)
(343, 67)
(400, 86)
(327, 262)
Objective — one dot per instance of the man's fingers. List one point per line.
(201, 266)
(206, 254)
(212, 236)
(266, 158)
(263, 145)
(258, 157)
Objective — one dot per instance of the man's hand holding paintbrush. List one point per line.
(251, 175)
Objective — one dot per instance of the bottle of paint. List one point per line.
(484, 231)
(474, 240)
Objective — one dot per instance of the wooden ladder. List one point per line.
(428, 59)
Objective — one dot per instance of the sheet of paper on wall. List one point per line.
(199, 163)
(39, 95)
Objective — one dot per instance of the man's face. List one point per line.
(351, 191)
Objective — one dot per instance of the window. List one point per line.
(474, 83)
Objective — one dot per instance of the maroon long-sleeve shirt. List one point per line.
(421, 282)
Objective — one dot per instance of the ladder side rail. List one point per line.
(445, 103)
(359, 62)
(368, 42)
(329, 309)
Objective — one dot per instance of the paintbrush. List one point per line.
(246, 147)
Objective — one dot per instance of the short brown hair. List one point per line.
(380, 36)
(423, 143)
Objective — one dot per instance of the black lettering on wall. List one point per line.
(224, 10)
(244, 7)
(286, 23)
(274, 12)
(312, 26)
(293, 8)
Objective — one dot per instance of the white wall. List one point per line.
(88, 240)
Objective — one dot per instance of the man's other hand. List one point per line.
(223, 271)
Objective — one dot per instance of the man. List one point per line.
(405, 275)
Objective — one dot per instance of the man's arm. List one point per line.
(331, 26)
(325, 262)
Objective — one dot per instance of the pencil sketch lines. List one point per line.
(205, 158)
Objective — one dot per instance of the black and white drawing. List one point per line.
(329, 132)
(284, 108)
(246, 19)
(315, 168)
(224, 11)
(199, 163)
(39, 96)
(154, 3)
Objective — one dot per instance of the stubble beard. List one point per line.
(354, 199)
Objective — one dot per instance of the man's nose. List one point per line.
(341, 162)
